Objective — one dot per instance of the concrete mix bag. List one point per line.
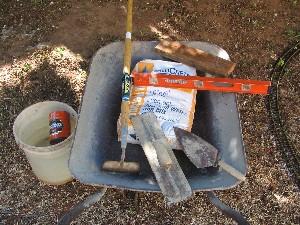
(173, 107)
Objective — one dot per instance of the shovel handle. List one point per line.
(126, 79)
(234, 172)
(127, 50)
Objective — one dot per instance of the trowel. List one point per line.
(202, 154)
(168, 173)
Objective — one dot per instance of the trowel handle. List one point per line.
(229, 169)
(162, 155)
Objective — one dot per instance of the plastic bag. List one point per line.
(173, 107)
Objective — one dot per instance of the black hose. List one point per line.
(286, 149)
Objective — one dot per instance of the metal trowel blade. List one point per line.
(200, 152)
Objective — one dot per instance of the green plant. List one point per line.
(294, 2)
(287, 71)
(59, 51)
(13, 91)
(82, 73)
(280, 62)
(255, 24)
(143, 31)
(293, 34)
(37, 2)
(241, 12)
(26, 67)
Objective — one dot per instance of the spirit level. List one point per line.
(202, 83)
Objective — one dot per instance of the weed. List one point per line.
(280, 62)
(37, 2)
(270, 47)
(13, 91)
(294, 2)
(82, 73)
(36, 55)
(255, 24)
(253, 5)
(143, 31)
(26, 67)
(293, 34)
(46, 57)
(59, 51)
(241, 12)
(287, 71)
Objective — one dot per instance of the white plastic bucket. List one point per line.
(31, 131)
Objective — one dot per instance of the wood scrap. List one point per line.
(197, 58)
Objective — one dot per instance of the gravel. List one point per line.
(34, 68)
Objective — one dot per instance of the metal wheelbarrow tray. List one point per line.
(216, 120)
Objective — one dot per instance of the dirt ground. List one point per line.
(45, 51)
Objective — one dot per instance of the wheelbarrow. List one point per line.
(216, 120)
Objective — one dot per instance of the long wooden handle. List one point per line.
(127, 51)
(124, 126)
(126, 80)
(234, 172)
(125, 109)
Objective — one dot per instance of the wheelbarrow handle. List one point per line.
(76, 210)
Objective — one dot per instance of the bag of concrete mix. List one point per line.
(173, 107)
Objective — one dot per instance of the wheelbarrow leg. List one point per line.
(226, 209)
(76, 210)
(137, 201)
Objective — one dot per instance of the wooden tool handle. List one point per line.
(234, 172)
(126, 81)
(125, 113)
(163, 158)
(127, 51)
(127, 56)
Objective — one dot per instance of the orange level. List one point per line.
(202, 83)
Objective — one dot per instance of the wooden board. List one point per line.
(196, 58)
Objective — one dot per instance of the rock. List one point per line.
(7, 32)
(189, 6)
(43, 45)
(161, 7)
(30, 48)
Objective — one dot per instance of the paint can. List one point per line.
(59, 125)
